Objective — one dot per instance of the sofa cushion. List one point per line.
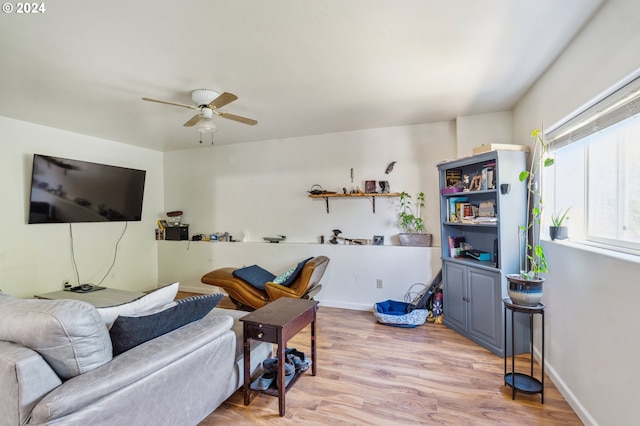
(69, 334)
(254, 275)
(130, 331)
(154, 299)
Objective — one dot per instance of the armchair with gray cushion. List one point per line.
(57, 367)
(251, 296)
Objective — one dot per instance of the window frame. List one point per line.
(617, 105)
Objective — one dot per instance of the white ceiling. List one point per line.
(299, 67)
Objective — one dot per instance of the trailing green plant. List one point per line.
(411, 213)
(533, 260)
(559, 218)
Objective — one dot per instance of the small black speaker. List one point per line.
(495, 252)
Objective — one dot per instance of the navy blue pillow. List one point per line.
(254, 275)
(130, 331)
(296, 273)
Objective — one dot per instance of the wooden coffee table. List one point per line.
(277, 322)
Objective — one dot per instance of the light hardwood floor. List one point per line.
(369, 373)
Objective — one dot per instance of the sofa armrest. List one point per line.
(25, 377)
(138, 368)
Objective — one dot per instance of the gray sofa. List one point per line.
(56, 367)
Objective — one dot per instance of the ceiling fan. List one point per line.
(208, 101)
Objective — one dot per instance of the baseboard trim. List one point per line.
(566, 393)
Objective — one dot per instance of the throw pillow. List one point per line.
(296, 273)
(130, 331)
(254, 275)
(284, 276)
(154, 299)
(68, 334)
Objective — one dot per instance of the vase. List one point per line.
(558, 232)
(524, 292)
(415, 240)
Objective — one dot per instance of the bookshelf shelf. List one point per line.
(493, 225)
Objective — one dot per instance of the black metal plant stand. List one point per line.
(525, 383)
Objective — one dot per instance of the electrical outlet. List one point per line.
(379, 283)
(65, 284)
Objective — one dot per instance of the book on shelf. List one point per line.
(487, 208)
(452, 210)
(488, 178)
(452, 176)
(455, 243)
(487, 219)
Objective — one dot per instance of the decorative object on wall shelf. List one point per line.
(370, 186)
(275, 239)
(317, 190)
(525, 288)
(175, 217)
(412, 223)
(415, 240)
(389, 168)
(351, 241)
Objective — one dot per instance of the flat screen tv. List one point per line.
(69, 191)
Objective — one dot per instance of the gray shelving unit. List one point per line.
(473, 289)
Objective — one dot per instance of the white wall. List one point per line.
(37, 258)
(260, 189)
(476, 130)
(591, 299)
(349, 281)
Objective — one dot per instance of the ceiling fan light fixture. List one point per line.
(207, 126)
(203, 96)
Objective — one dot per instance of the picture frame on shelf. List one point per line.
(370, 187)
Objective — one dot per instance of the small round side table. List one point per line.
(525, 383)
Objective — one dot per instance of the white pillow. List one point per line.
(155, 299)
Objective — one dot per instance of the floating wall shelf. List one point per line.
(371, 195)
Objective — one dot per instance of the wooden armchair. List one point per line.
(248, 297)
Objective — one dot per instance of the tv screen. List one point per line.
(69, 191)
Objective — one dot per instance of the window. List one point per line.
(597, 171)
(613, 185)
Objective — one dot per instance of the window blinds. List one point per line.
(620, 103)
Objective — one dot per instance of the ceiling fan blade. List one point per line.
(170, 103)
(222, 100)
(193, 121)
(239, 118)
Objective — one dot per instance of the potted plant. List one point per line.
(411, 221)
(525, 288)
(557, 231)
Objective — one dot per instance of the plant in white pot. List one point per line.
(557, 229)
(411, 221)
(525, 288)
